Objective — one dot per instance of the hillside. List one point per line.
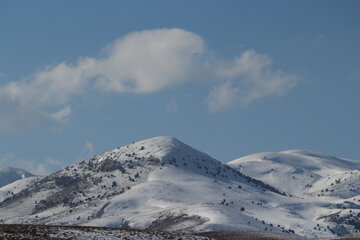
(10, 174)
(164, 184)
(303, 173)
(8, 191)
(328, 186)
(159, 184)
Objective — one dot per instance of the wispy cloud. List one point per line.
(141, 62)
(44, 167)
(61, 115)
(87, 151)
(246, 79)
(89, 148)
(222, 97)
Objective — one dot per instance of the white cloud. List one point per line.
(141, 62)
(246, 79)
(149, 61)
(89, 148)
(87, 151)
(41, 169)
(61, 115)
(45, 167)
(222, 97)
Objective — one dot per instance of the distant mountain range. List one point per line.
(164, 184)
(10, 174)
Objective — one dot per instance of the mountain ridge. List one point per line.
(164, 184)
(10, 174)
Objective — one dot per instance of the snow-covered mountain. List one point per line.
(164, 184)
(13, 188)
(328, 185)
(302, 173)
(10, 174)
(160, 183)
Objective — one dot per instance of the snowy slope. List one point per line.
(327, 187)
(159, 184)
(303, 173)
(164, 184)
(9, 190)
(10, 174)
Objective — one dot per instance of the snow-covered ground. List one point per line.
(16, 187)
(327, 187)
(302, 172)
(164, 184)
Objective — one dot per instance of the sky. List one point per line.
(229, 78)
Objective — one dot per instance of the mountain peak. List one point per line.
(158, 145)
(162, 139)
(164, 149)
(11, 174)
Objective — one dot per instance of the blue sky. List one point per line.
(227, 77)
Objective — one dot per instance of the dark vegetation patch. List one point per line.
(169, 222)
(45, 232)
(247, 235)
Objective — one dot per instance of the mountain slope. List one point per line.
(301, 173)
(327, 187)
(159, 184)
(10, 174)
(164, 184)
(9, 190)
